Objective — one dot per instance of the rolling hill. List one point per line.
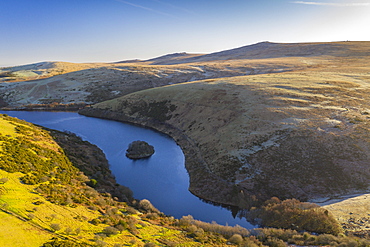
(270, 119)
(61, 82)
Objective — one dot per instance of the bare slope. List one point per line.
(105, 82)
(60, 82)
(109, 81)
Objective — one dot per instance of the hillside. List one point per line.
(257, 131)
(295, 134)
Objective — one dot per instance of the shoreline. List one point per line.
(73, 107)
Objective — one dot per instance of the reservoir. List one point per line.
(162, 178)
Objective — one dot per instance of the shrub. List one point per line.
(275, 242)
(226, 231)
(64, 243)
(283, 234)
(236, 239)
(130, 210)
(55, 227)
(150, 245)
(251, 242)
(110, 230)
(151, 216)
(68, 231)
(293, 214)
(100, 243)
(185, 220)
(147, 206)
(326, 239)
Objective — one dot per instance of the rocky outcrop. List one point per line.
(139, 150)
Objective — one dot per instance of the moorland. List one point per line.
(262, 121)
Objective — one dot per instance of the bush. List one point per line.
(147, 206)
(326, 239)
(100, 243)
(275, 242)
(55, 227)
(236, 239)
(293, 214)
(63, 243)
(110, 230)
(283, 234)
(150, 245)
(226, 231)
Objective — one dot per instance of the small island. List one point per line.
(139, 150)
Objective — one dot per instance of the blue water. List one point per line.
(162, 178)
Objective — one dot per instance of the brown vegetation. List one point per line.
(293, 214)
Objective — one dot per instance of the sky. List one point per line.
(115, 30)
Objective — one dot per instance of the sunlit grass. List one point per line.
(6, 127)
(15, 232)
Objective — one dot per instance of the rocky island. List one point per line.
(139, 150)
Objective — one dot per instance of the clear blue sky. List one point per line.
(113, 30)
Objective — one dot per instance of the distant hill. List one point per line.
(65, 83)
(172, 58)
(266, 50)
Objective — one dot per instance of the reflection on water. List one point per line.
(162, 178)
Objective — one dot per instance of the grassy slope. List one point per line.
(254, 119)
(28, 218)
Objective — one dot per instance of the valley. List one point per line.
(260, 121)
